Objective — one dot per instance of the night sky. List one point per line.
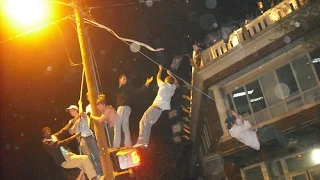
(38, 82)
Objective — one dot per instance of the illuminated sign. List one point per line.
(128, 158)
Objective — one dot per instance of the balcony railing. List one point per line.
(249, 30)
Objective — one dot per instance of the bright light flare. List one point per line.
(316, 156)
(26, 12)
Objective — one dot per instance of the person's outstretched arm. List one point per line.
(159, 74)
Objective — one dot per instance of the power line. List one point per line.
(126, 42)
(33, 30)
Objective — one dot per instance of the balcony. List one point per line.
(251, 30)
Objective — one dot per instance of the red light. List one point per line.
(128, 158)
(135, 157)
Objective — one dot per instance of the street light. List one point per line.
(26, 12)
(316, 156)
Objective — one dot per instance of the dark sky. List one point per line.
(38, 82)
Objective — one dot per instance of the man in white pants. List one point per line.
(125, 93)
(64, 158)
(160, 103)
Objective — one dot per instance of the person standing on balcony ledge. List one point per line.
(160, 103)
(243, 131)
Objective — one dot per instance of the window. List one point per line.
(254, 173)
(304, 73)
(255, 96)
(241, 101)
(296, 163)
(279, 91)
(269, 83)
(315, 174)
(288, 85)
(315, 59)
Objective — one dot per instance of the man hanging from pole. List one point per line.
(160, 103)
(63, 157)
(87, 142)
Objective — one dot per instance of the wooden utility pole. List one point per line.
(93, 90)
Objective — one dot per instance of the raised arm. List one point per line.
(159, 74)
(238, 116)
(176, 83)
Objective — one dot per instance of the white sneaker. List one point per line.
(140, 145)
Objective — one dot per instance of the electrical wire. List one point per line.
(94, 59)
(33, 30)
(126, 42)
(66, 48)
(119, 5)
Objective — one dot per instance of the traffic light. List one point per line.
(128, 158)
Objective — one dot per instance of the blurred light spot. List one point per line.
(49, 68)
(286, 39)
(316, 156)
(114, 69)
(102, 52)
(55, 119)
(15, 115)
(297, 24)
(22, 134)
(149, 3)
(282, 91)
(134, 47)
(211, 4)
(16, 146)
(215, 25)
(8, 146)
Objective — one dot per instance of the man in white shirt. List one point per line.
(160, 103)
(243, 131)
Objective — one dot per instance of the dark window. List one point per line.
(269, 84)
(255, 96)
(254, 173)
(288, 84)
(304, 72)
(241, 101)
(315, 59)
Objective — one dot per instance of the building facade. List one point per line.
(269, 72)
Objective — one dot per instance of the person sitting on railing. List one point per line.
(242, 130)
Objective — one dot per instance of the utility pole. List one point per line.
(93, 90)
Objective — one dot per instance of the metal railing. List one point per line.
(246, 32)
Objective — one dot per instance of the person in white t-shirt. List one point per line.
(160, 103)
(244, 132)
